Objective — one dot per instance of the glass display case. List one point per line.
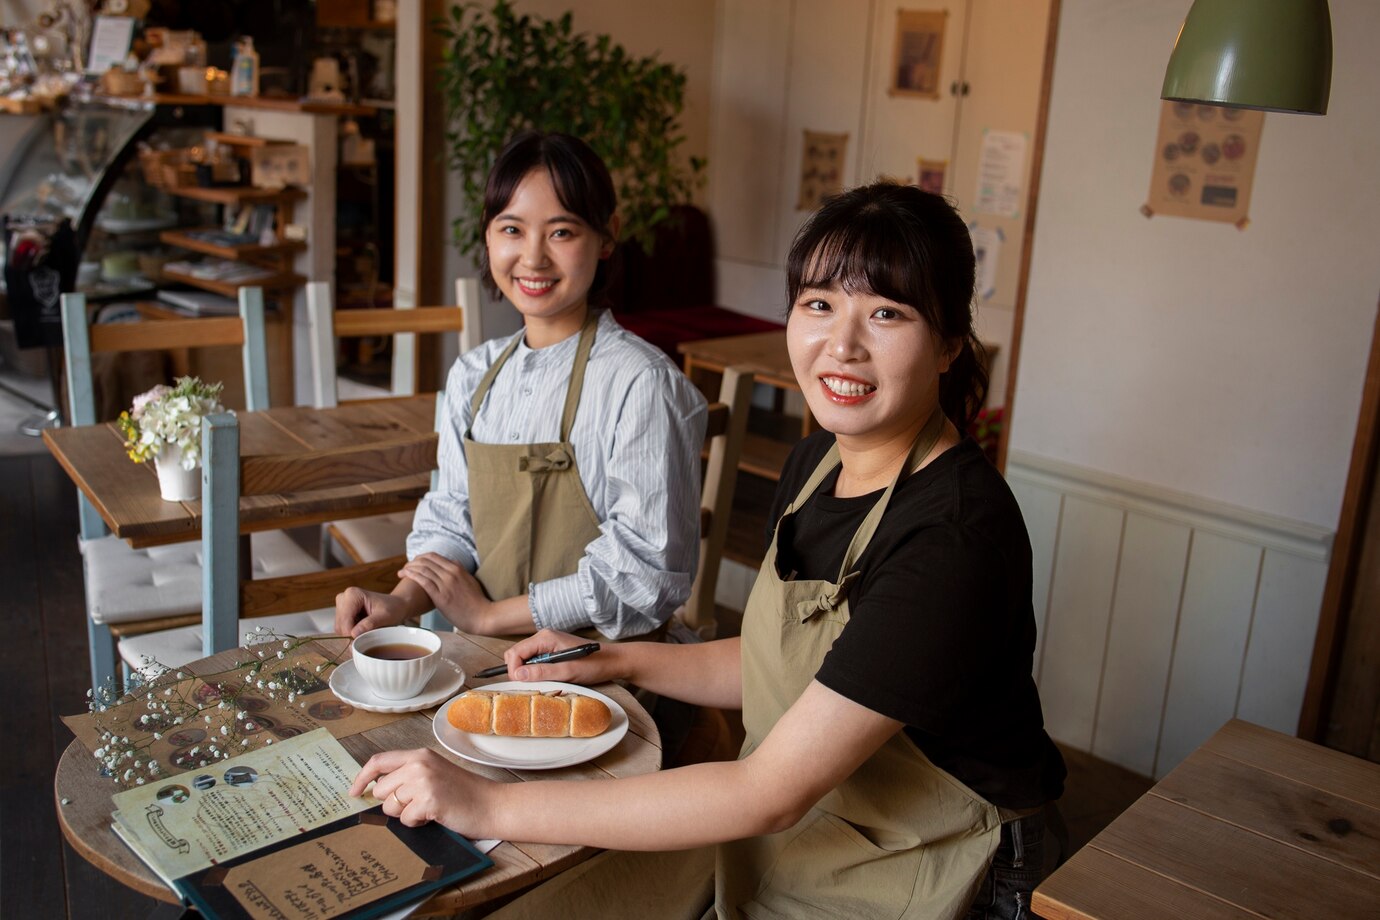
(80, 162)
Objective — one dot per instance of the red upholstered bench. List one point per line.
(667, 297)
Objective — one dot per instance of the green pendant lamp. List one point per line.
(1274, 55)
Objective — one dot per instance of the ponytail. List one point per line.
(963, 387)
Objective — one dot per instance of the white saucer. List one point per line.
(351, 688)
(532, 753)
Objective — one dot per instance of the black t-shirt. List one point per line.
(941, 631)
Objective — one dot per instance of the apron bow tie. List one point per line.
(828, 599)
(559, 459)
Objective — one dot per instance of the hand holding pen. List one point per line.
(566, 654)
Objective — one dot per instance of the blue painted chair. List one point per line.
(290, 605)
(131, 592)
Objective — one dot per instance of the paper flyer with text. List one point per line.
(210, 815)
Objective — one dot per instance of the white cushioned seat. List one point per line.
(375, 538)
(124, 584)
(173, 648)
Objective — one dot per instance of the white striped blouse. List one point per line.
(637, 436)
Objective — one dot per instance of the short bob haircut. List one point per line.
(581, 180)
(910, 246)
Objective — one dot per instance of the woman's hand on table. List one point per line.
(420, 785)
(603, 665)
(357, 611)
(456, 593)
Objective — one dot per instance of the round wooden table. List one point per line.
(85, 819)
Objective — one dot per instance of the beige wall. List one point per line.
(1187, 354)
(680, 32)
(22, 13)
(784, 67)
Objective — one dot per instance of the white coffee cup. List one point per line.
(397, 661)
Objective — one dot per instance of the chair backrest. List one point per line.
(80, 341)
(724, 434)
(328, 324)
(226, 477)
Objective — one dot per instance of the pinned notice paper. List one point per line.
(987, 249)
(1001, 172)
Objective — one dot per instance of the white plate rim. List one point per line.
(411, 704)
(452, 739)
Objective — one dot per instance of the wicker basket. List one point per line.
(160, 166)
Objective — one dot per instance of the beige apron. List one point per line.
(900, 838)
(531, 517)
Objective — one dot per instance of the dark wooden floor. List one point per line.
(43, 674)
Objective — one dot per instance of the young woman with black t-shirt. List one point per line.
(896, 763)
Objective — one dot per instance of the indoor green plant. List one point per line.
(503, 72)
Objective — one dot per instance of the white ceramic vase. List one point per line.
(174, 483)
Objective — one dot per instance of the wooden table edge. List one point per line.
(142, 880)
(139, 877)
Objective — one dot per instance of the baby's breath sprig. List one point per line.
(216, 710)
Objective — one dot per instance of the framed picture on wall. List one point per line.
(918, 53)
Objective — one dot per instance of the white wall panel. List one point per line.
(751, 61)
(1140, 643)
(1212, 612)
(1040, 507)
(828, 63)
(1080, 604)
(1282, 633)
(757, 290)
(1219, 592)
(901, 128)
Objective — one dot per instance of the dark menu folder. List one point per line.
(355, 868)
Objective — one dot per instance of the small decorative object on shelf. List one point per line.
(165, 424)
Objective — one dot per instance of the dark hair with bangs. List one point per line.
(581, 180)
(910, 246)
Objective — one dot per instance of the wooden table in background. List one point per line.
(85, 819)
(1253, 824)
(125, 494)
(764, 355)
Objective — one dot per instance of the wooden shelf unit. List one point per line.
(281, 281)
(239, 194)
(249, 252)
(276, 257)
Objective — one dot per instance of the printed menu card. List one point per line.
(274, 834)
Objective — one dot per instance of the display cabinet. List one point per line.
(138, 239)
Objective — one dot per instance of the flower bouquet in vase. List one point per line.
(165, 424)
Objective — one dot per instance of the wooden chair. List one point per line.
(377, 537)
(129, 591)
(723, 438)
(275, 603)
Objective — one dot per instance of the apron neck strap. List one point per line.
(573, 388)
(577, 374)
(924, 442)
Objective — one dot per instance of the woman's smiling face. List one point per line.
(869, 366)
(543, 257)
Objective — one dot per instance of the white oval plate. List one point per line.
(531, 753)
(347, 684)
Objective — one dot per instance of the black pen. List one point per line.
(565, 654)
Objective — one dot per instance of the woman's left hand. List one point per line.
(454, 591)
(420, 786)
